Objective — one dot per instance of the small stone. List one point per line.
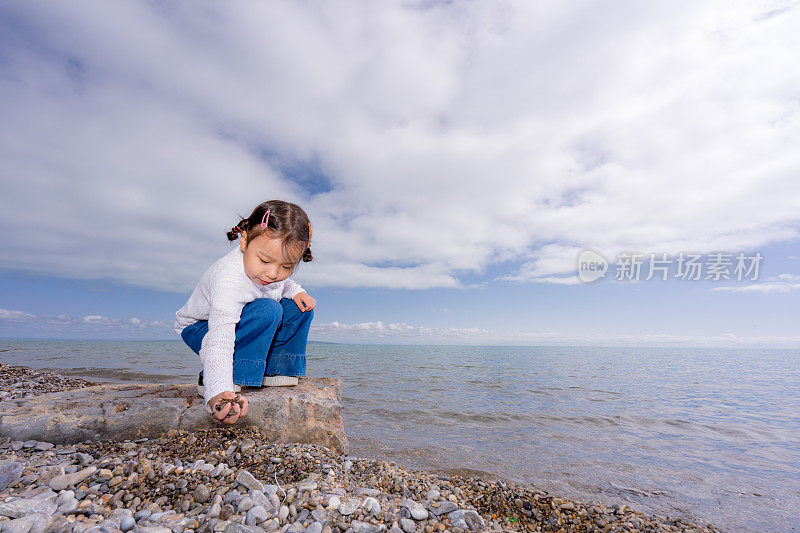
(443, 507)
(245, 504)
(472, 519)
(10, 473)
(214, 511)
(232, 496)
(30, 522)
(42, 446)
(65, 496)
(365, 527)
(127, 523)
(246, 478)
(408, 525)
(314, 527)
(201, 493)
(308, 486)
(259, 498)
(68, 480)
(371, 505)
(39, 500)
(257, 515)
(348, 506)
(68, 506)
(144, 513)
(416, 509)
(333, 502)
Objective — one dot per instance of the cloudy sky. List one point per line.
(454, 158)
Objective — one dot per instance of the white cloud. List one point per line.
(780, 283)
(6, 314)
(394, 330)
(455, 137)
(17, 323)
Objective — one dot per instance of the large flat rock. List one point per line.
(309, 412)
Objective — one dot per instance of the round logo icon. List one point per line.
(591, 266)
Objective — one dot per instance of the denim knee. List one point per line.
(264, 309)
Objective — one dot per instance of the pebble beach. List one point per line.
(232, 479)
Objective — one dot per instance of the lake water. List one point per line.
(711, 434)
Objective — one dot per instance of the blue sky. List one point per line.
(454, 160)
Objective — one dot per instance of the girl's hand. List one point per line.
(305, 302)
(228, 412)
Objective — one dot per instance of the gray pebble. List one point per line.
(365, 527)
(440, 508)
(127, 523)
(67, 480)
(10, 472)
(202, 493)
(416, 509)
(245, 504)
(408, 525)
(144, 513)
(348, 506)
(371, 505)
(314, 527)
(256, 515)
(248, 480)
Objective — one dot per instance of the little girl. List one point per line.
(245, 319)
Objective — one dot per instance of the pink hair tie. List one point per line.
(265, 219)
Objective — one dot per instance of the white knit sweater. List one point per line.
(219, 298)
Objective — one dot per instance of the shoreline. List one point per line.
(231, 479)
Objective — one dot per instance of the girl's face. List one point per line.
(263, 261)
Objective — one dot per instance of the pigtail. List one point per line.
(243, 225)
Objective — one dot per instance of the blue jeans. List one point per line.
(270, 339)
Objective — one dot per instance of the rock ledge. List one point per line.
(309, 412)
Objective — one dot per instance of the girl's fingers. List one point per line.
(223, 413)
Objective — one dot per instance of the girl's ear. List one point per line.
(243, 241)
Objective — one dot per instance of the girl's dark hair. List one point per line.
(287, 222)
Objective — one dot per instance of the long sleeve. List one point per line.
(291, 289)
(216, 350)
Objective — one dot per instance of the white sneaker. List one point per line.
(201, 390)
(279, 381)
